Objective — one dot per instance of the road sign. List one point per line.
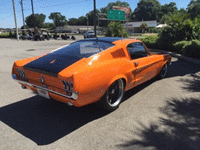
(115, 15)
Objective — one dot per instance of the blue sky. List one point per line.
(69, 8)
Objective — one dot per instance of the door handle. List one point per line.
(136, 63)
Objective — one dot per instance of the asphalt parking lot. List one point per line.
(159, 114)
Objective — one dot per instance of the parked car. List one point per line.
(38, 37)
(89, 34)
(92, 70)
(65, 37)
(75, 31)
(55, 36)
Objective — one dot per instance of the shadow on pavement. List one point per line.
(45, 121)
(193, 84)
(179, 130)
(181, 68)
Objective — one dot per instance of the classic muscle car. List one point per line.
(92, 70)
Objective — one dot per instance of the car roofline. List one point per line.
(111, 40)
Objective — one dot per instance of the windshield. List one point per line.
(84, 48)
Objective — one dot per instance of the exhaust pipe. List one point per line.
(69, 103)
(23, 87)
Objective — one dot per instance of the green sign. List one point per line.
(115, 15)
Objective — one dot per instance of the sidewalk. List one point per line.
(196, 61)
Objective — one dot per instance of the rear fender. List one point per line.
(115, 78)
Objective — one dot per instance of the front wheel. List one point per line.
(113, 96)
(163, 71)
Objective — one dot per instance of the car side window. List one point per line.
(137, 50)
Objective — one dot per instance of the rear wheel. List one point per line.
(113, 96)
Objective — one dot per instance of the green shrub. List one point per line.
(4, 35)
(153, 30)
(192, 49)
(179, 28)
(150, 42)
(167, 37)
(189, 48)
(179, 46)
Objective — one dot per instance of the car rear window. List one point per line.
(84, 48)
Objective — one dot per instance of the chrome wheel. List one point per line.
(115, 93)
(164, 71)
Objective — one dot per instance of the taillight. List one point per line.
(68, 87)
(21, 74)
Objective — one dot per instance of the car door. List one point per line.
(146, 67)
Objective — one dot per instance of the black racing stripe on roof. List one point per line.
(103, 39)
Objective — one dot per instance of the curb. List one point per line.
(193, 60)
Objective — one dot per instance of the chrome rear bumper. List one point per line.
(73, 97)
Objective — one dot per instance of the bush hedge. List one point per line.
(189, 48)
(150, 42)
(4, 35)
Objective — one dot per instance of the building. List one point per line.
(134, 27)
(161, 25)
(69, 28)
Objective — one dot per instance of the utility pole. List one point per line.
(32, 7)
(33, 13)
(98, 22)
(22, 13)
(15, 20)
(87, 23)
(95, 32)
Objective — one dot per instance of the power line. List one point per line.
(69, 3)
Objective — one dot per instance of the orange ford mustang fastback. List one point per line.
(93, 70)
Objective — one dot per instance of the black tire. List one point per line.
(163, 72)
(113, 96)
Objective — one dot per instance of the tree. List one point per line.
(82, 20)
(90, 16)
(73, 21)
(147, 10)
(143, 27)
(196, 27)
(183, 11)
(24, 27)
(58, 19)
(167, 8)
(172, 17)
(194, 8)
(171, 7)
(36, 20)
(116, 30)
